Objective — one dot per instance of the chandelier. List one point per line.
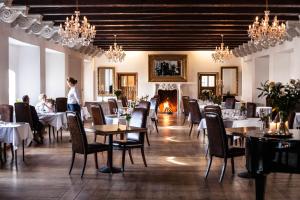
(221, 53)
(264, 33)
(76, 33)
(115, 53)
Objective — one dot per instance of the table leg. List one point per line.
(23, 145)
(110, 168)
(260, 185)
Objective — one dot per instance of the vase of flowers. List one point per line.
(283, 98)
(127, 118)
(118, 93)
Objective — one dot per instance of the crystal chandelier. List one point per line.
(264, 33)
(221, 53)
(115, 53)
(76, 33)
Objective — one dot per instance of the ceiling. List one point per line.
(166, 24)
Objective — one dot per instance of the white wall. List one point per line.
(137, 61)
(283, 64)
(88, 80)
(38, 76)
(55, 74)
(261, 73)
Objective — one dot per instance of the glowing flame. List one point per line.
(166, 105)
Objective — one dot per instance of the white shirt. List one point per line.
(73, 96)
(41, 107)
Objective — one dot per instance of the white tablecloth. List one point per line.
(297, 121)
(85, 115)
(14, 133)
(267, 110)
(249, 122)
(57, 120)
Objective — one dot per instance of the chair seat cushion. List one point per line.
(126, 142)
(236, 151)
(97, 147)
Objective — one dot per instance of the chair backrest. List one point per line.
(138, 119)
(23, 113)
(61, 104)
(214, 109)
(195, 111)
(154, 104)
(124, 101)
(112, 105)
(291, 119)
(77, 132)
(97, 115)
(230, 103)
(6, 112)
(217, 139)
(185, 103)
(145, 105)
(251, 109)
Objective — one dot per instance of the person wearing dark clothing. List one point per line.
(37, 125)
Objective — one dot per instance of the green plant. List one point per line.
(118, 92)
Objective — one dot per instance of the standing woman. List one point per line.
(73, 96)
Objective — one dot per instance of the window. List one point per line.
(207, 81)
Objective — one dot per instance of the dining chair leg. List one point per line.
(130, 156)
(191, 129)
(49, 130)
(84, 164)
(4, 152)
(16, 158)
(57, 135)
(73, 158)
(1, 160)
(12, 151)
(223, 170)
(53, 131)
(60, 134)
(96, 161)
(198, 133)
(95, 137)
(123, 158)
(143, 155)
(147, 138)
(208, 167)
(232, 165)
(23, 146)
(183, 120)
(206, 151)
(155, 122)
(104, 139)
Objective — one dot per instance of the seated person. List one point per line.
(43, 105)
(37, 125)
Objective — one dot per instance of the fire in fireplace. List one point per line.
(168, 101)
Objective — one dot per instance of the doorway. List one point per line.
(127, 82)
(207, 82)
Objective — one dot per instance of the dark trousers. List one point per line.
(75, 108)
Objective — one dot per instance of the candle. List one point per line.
(273, 126)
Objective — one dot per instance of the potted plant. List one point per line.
(118, 93)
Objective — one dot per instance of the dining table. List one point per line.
(110, 130)
(263, 154)
(16, 134)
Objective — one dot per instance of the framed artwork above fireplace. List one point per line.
(167, 68)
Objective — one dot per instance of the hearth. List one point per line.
(167, 101)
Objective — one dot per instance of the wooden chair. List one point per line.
(6, 112)
(113, 106)
(230, 103)
(218, 143)
(124, 101)
(195, 114)
(214, 109)
(145, 105)
(251, 109)
(185, 103)
(98, 117)
(61, 104)
(154, 106)
(79, 141)
(133, 140)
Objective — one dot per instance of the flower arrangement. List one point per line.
(243, 108)
(118, 93)
(283, 97)
(206, 95)
(217, 99)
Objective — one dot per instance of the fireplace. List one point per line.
(167, 101)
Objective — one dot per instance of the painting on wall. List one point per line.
(167, 68)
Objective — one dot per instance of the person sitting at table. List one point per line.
(43, 105)
(37, 125)
(73, 96)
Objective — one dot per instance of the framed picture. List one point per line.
(167, 68)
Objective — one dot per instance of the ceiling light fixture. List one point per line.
(264, 33)
(221, 53)
(75, 33)
(115, 53)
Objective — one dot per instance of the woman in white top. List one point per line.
(73, 96)
(43, 106)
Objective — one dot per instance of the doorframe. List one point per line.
(128, 73)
